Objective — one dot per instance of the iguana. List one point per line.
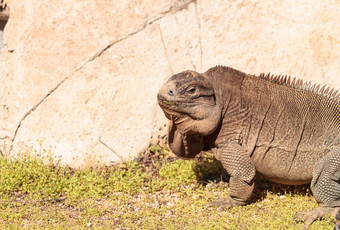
(276, 126)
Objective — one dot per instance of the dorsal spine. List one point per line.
(299, 84)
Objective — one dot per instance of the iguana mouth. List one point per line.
(170, 114)
(167, 107)
(165, 103)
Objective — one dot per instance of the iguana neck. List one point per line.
(227, 85)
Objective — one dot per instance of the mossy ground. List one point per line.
(154, 193)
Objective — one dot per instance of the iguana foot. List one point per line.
(229, 202)
(310, 216)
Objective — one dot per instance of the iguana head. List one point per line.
(188, 101)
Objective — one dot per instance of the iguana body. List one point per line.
(286, 130)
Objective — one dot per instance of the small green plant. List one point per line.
(156, 192)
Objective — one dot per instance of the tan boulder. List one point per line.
(79, 80)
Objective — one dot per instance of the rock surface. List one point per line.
(80, 78)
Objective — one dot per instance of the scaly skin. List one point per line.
(287, 131)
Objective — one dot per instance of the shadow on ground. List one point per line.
(208, 169)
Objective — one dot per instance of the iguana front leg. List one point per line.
(242, 171)
(183, 145)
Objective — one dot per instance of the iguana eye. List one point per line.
(192, 90)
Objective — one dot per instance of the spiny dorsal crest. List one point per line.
(299, 84)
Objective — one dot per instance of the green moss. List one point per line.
(159, 193)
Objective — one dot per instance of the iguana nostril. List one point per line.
(170, 92)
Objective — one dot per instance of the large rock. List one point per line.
(82, 79)
(79, 80)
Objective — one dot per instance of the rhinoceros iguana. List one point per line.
(281, 128)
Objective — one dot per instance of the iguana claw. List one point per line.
(310, 216)
(226, 203)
